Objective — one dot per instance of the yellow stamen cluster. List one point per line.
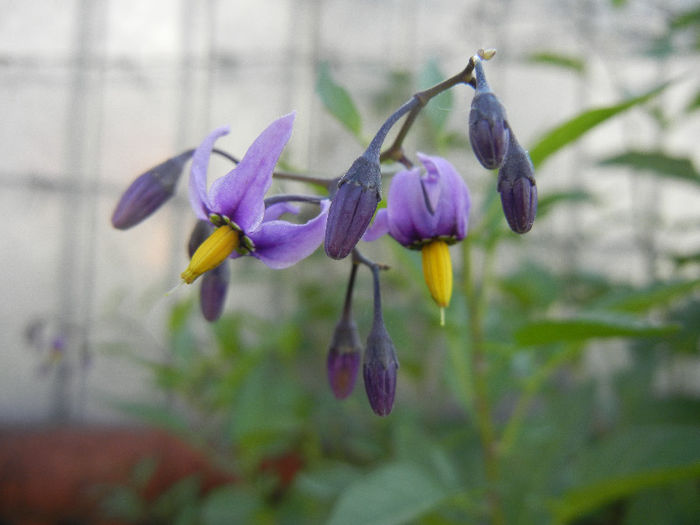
(212, 252)
(437, 270)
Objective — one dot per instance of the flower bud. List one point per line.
(200, 232)
(148, 192)
(379, 370)
(488, 128)
(212, 294)
(344, 358)
(516, 184)
(353, 206)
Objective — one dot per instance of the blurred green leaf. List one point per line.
(393, 494)
(123, 503)
(571, 130)
(177, 498)
(628, 462)
(337, 101)
(152, 414)
(547, 203)
(639, 301)
(327, 482)
(440, 107)
(230, 505)
(694, 104)
(685, 19)
(572, 63)
(589, 326)
(657, 162)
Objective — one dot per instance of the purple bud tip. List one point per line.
(488, 130)
(343, 360)
(212, 294)
(148, 192)
(352, 207)
(516, 184)
(379, 370)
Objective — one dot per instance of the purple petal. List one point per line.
(379, 227)
(275, 211)
(409, 217)
(453, 203)
(198, 173)
(239, 194)
(280, 244)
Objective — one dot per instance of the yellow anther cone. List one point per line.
(211, 253)
(437, 270)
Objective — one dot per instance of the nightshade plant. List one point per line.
(426, 211)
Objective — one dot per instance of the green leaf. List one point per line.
(589, 326)
(629, 462)
(547, 203)
(439, 108)
(229, 505)
(575, 64)
(640, 301)
(693, 104)
(571, 130)
(154, 415)
(395, 493)
(657, 162)
(337, 101)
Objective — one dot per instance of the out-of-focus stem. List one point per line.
(479, 369)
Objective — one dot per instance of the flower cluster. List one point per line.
(427, 209)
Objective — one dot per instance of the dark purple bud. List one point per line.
(379, 370)
(353, 206)
(200, 232)
(380, 362)
(516, 184)
(488, 128)
(148, 192)
(212, 294)
(344, 358)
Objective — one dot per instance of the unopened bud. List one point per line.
(379, 370)
(488, 128)
(353, 206)
(344, 358)
(516, 184)
(212, 294)
(149, 192)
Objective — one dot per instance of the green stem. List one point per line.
(479, 369)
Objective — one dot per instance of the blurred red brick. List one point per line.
(51, 474)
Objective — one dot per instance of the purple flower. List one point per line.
(235, 204)
(427, 212)
(422, 207)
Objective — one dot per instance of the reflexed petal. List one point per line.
(198, 174)
(409, 218)
(280, 244)
(239, 194)
(454, 202)
(275, 211)
(379, 227)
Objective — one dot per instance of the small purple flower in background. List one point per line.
(235, 205)
(427, 212)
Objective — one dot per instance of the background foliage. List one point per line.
(571, 442)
